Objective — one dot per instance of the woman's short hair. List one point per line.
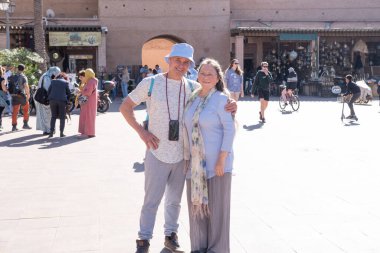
(64, 76)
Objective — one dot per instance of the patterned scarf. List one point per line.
(199, 191)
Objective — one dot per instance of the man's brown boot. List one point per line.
(171, 243)
(142, 246)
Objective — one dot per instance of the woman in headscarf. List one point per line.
(43, 112)
(88, 109)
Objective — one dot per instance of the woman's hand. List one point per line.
(242, 94)
(219, 168)
(220, 164)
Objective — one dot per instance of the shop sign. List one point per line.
(336, 89)
(298, 36)
(61, 39)
(81, 56)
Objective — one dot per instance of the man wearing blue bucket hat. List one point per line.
(166, 95)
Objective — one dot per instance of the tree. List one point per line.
(30, 59)
(39, 34)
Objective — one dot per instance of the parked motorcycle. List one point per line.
(104, 100)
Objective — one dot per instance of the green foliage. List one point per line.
(30, 59)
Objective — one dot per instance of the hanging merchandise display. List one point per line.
(335, 57)
(281, 56)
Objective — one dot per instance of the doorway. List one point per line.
(155, 49)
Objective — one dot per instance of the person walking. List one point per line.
(262, 83)
(164, 164)
(8, 73)
(209, 134)
(19, 89)
(43, 112)
(87, 115)
(354, 91)
(58, 94)
(124, 82)
(234, 80)
(3, 96)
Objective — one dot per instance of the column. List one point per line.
(102, 52)
(239, 50)
(260, 52)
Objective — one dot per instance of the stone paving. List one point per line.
(303, 183)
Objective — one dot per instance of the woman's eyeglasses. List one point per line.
(236, 63)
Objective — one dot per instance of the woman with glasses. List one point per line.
(234, 80)
(262, 83)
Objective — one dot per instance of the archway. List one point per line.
(155, 49)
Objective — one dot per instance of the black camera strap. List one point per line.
(179, 97)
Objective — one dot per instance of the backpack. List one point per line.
(146, 121)
(14, 85)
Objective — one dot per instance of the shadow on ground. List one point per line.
(253, 127)
(138, 167)
(41, 140)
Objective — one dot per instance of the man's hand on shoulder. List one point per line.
(231, 106)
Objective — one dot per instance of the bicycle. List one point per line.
(293, 99)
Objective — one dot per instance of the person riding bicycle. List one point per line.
(291, 84)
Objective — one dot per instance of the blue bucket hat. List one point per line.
(182, 50)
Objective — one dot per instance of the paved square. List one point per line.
(303, 182)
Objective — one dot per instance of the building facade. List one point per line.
(334, 37)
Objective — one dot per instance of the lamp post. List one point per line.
(8, 7)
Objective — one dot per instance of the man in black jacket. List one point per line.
(354, 90)
(262, 83)
(59, 93)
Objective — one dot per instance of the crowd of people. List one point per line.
(15, 92)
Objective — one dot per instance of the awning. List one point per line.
(73, 28)
(256, 28)
(57, 28)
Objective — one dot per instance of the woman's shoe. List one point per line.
(261, 117)
(45, 133)
(62, 135)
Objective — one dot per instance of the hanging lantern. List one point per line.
(293, 55)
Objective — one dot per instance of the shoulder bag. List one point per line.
(42, 95)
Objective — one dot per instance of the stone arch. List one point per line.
(154, 50)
